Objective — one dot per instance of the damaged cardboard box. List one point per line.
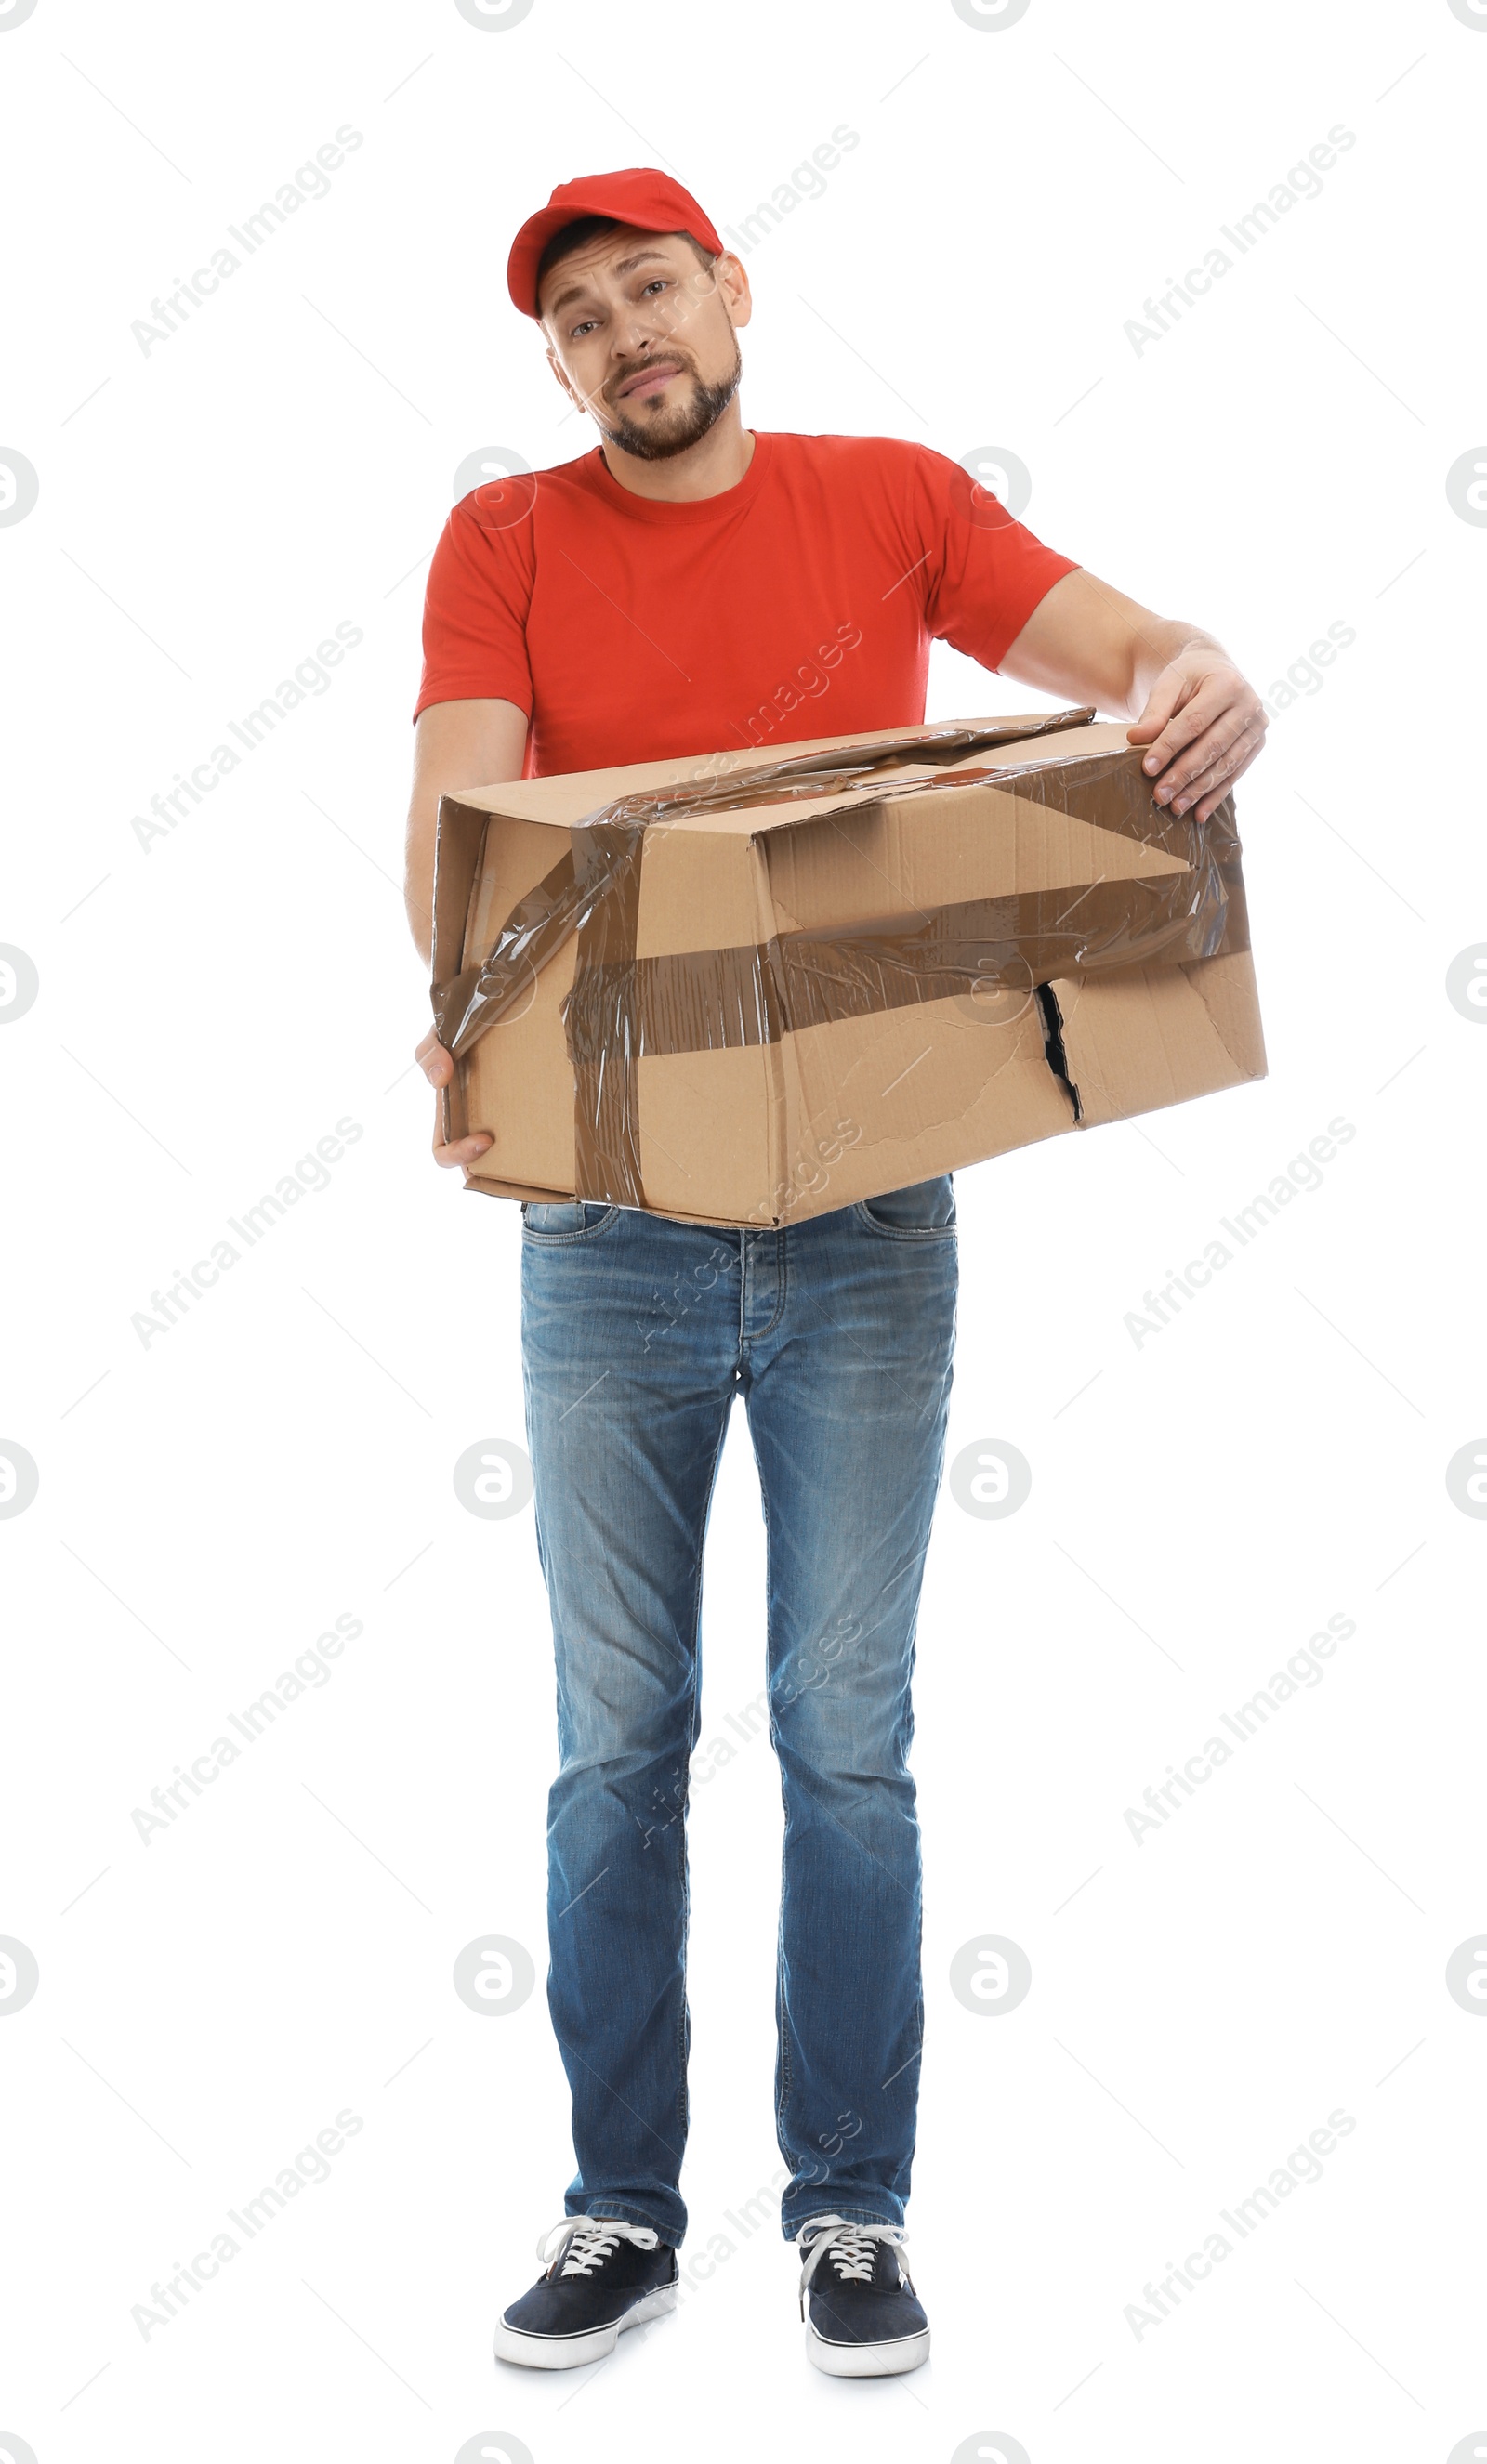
(750, 989)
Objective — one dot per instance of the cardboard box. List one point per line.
(749, 989)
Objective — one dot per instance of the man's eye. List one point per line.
(659, 284)
(586, 327)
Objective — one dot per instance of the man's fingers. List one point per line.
(463, 1150)
(1203, 728)
(438, 1068)
(1176, 783)
(1161, 702)
(1185, 728)
(436, 1063)
(1221, 772)
(1181, 782)
(1214, 795)
(1206, 792)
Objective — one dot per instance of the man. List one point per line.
(693, 587)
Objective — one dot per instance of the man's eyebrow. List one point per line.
(625, 265)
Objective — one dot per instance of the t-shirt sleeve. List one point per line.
(475, 611)
(984, 572)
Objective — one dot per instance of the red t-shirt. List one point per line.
(800, 603)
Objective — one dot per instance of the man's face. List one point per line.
(641, 334)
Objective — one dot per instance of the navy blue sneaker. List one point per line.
(604, 2277)
(866, 2320)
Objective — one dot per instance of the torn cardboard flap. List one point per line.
(749, 990)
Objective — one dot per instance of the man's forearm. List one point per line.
(456, 744)
(418, 880)
(1088, 639)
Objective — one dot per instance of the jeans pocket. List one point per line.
(923, 1211)
(567, 1219)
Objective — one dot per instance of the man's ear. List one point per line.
(562, 375)
(733, 284)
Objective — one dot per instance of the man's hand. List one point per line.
(438, 1068)
(1204, 726)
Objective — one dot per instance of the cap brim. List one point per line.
(527, 248)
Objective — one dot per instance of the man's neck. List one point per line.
(713, 464)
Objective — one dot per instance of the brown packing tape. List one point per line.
(711, 1001)
(465, 1005)
(1067, 784)
(601, 1015)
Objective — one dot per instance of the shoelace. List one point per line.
(583, 2243)
(848, 2247)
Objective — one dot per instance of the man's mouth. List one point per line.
(649, 379)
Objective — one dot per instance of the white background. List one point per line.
(208, 511)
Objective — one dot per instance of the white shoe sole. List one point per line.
(867, 2360)
(571, 2353)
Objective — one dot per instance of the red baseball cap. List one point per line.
(647, 200)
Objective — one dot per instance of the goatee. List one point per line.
(675, 431)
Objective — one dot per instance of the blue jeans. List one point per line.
(637, 1333)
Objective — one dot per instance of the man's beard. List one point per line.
(674, 430)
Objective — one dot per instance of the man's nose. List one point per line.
(634, 335)
(642, 327)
